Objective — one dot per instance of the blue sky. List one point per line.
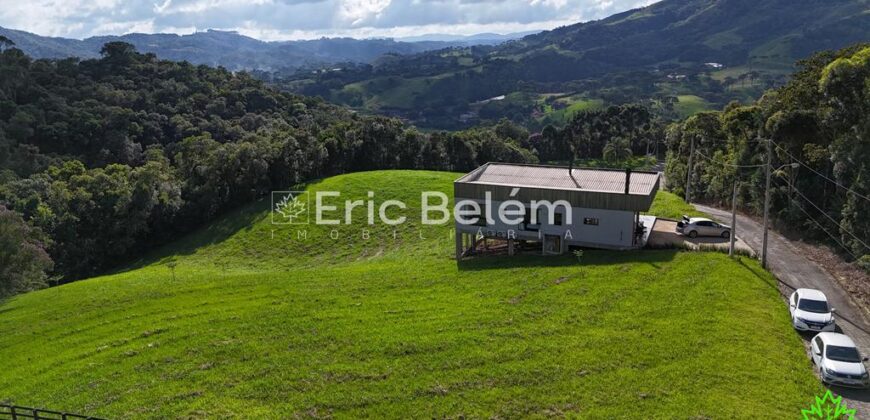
(301, 19)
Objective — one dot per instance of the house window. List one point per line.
(592, 221)
(557, 219)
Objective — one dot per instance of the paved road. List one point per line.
(786, 262)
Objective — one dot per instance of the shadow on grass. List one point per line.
(769, 280)
(225, 226)
(590, 258)
(229, 223)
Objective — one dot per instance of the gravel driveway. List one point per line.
(785, 261)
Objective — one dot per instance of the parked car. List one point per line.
(700, 226)
(839, 361)
(810, 311)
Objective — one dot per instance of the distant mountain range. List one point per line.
(238, 52)
(477, 39)
(707, 51)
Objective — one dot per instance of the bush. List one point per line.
(864, 263)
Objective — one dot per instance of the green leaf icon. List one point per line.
(828, 407)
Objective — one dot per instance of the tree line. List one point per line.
(103, 159)
(818, 126)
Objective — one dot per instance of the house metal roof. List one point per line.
(558, 178)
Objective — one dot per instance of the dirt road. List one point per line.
(786, 262)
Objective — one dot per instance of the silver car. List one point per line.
(694, 227)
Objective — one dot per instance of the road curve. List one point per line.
(790, 267)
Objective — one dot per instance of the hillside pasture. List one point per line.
(251, 324)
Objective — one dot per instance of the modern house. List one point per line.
(605, 206)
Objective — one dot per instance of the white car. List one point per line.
(810, 311)
(694, 227)
(839, 361)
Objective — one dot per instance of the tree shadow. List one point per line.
(229, 223)
(770, 280)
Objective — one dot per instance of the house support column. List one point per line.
(458, 245)
(635, 239)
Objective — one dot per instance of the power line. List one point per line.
(819, 173)
(729, 164)
(827, 215)
(838, 241)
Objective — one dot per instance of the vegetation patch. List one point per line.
(252, 324)
(688, 105)
(670, 206)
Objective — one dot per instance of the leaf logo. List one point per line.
(828, 407)
(289, 207)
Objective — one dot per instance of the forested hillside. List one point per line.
(819, 128)
(689, 52)
(106, 158)
(101, 160)
(230, 49)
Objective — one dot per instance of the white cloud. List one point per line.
(359, 11)
(298, 19)
(558, 4)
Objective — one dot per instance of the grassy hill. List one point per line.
(688, 105)
(252, 323)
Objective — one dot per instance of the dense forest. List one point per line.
(818, 126)
(105, 158)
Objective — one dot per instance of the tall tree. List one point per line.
(23, 260)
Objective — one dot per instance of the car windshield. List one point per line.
(844, 354)
(817, 306)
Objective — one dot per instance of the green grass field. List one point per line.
(670, 206)
(688, 105)
(254, 323)
(575, 104)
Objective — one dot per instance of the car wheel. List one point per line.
(726, 234)
(693, 234)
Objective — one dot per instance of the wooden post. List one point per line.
(458, 245)
(766, 203)
(733, 221)
(510, 247)
(689, 172)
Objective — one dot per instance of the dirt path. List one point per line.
(786, 262)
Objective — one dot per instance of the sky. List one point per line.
(301, 19)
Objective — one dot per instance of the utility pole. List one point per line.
(733, 221)
(766, 203)
(689, 175)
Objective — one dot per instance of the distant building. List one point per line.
(605, 206)
(715, 65)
